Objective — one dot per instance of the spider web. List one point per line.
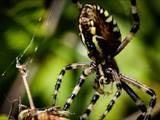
(10, 98)
(20, 56)
(32, 47)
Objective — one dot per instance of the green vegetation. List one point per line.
(49, 48)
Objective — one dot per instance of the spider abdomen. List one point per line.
(99, 31)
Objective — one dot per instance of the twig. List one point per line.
(23, 72)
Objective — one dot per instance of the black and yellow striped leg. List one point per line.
(116, 79)
(147, 90)
(136, 99)
(112, 102)
(90, 107)
(61, 74)
(83, 76)
(134, 27)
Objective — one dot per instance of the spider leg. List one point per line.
(60, 76)
(147, 90)
(136, 99)
(116, 78)
(83, 76)
(134, 27)
(90, 107)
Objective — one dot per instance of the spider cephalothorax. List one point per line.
(101, 36)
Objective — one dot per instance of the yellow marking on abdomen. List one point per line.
(96, 44)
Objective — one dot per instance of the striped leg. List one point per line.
(61, 74)
(147, 90)
(116, 78)
(83, 76)
(134, 27)
(136, 99)
(90, 107)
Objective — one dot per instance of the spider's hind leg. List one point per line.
(134, 28)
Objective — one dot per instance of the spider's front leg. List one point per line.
(134, 28)
(116, 78)
(82, 78)
(60, 76)
(90, 107)
(136, 99)
(147, 90)
(96, 96)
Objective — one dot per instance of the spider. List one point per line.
(101, 36)
(22, 112)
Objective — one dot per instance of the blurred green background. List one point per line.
(44, 35)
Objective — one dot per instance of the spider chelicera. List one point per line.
(101, 36)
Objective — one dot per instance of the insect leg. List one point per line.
(60, 76)
(134, 28)
(83, 76)
(147, 90)
(90, 107)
